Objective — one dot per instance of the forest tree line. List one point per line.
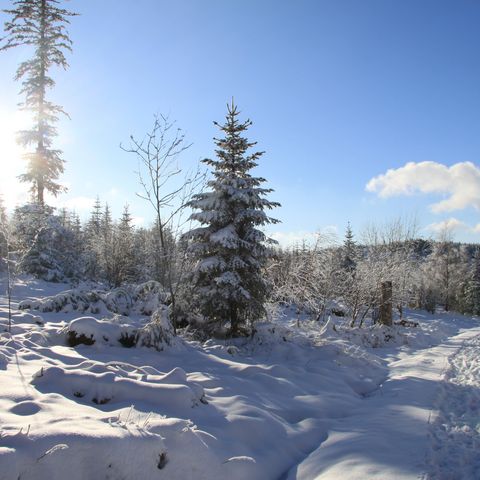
(329, 275)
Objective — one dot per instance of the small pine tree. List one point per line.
(71, 248)
(123, 266)
(92, 242)
(349, 250)
(143, 268)
(41, 25)
(106, 245)
(95, 222)
(229, 250)
(38, 234)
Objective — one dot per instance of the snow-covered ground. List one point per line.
(298, 401)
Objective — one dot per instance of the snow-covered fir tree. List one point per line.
(40, 24)
(93, 241)
(95, 222)
(70, 245)
(122, 254)
(230, 251)
(38, 235)
(106, 245)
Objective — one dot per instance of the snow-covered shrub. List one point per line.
(143, 299)
(375, 336)
(128, 339)
(268, 334)
(159, 332)
(74, 339)
(47, 248)
(118, 300)
(68, 301)
(149, 296)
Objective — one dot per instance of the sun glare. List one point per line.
(12, 191)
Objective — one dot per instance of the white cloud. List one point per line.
(476, 228)
(460, 182)
(449, 225)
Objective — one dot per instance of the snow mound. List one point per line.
(120, 384)
(89, 331)
(127, 446)
(158, 333)
(74, 452)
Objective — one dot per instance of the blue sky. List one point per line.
(339, 92)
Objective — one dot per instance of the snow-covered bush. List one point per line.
(375, 336)
(267, 336)
(92, 301)
(143, 299)
(118, 300)
(159, 332)
(149, 296)
(48, 248)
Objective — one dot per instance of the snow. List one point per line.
(300, 400)
(227, 237)
(455, 442)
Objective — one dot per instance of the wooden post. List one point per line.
(386, 305)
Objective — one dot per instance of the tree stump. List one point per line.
(386, 304)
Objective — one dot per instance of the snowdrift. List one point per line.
(122, 384)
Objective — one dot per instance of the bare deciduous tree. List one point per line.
(308, 276)
(167, 189)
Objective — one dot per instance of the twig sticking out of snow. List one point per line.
(60, 446)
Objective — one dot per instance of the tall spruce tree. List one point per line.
(40, 24)
(230, 251)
